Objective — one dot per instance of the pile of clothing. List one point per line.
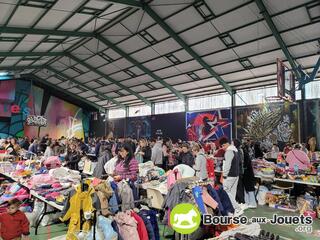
(10, 191)
(263, 168)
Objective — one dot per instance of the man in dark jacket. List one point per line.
(231, 171)
(185, 156)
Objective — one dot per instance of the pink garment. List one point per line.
(127, 226)
(53, 195)
(96, 181)
(56, 185)
(173, 176)
(41, 179)
(208, 200)
(22, 191)
(52, 162)
(298, 157)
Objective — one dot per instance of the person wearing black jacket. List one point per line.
(72, 158)
(248, 177)
(185, 156)
(144, 151)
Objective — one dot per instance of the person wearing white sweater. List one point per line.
(231, 173)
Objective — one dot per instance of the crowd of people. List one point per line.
(126, 154)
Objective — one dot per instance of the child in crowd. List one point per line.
(14, 224)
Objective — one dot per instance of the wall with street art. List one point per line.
(64, 119)
(139, 127)
(171, 125)
(19, 99)
(14, 98)
(269, 123)
(312, 121)
(209, 125)
(34, 104)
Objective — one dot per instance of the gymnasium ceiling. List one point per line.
(124, 52)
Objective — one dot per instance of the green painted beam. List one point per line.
(131, 3)
(143, 68)
(276, 34)
(186, 47)
(82, 85)
(41, 80)
(93, 69)
(31, 54)
(21, 68)
(34, 31)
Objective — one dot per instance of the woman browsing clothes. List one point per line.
(127, 165)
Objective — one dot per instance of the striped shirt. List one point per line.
(131, 172)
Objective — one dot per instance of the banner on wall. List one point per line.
(172, 125)
(209, 125)
(287, 130)
(139, 127)
(116, 128)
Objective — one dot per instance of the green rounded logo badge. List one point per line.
(185, 218)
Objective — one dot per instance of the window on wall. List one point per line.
(255, 96)
(313, 89)
(210, 102)
(117, 113)
(169, 107)
(139, 111)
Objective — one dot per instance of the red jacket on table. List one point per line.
(13, 226)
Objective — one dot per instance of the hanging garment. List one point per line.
(240, 190)
(126, 195)
(152, 216)
(79, 201)
(135, 190)
(113, 203)
(213, 193)
(172, 177)
(208, 200)
(127, 226)
(225, 200)
(142, 230)
(148, 225)
(197, 194)
(175, 195)
(210, 168)
(114, 187)
(104, 192)
(105, 225)
(116, 229)
(102, 160)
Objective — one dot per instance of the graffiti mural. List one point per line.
(269, 123)
(13, 123)
(64, 119)
(210, 125)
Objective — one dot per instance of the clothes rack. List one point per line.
(94, 220)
